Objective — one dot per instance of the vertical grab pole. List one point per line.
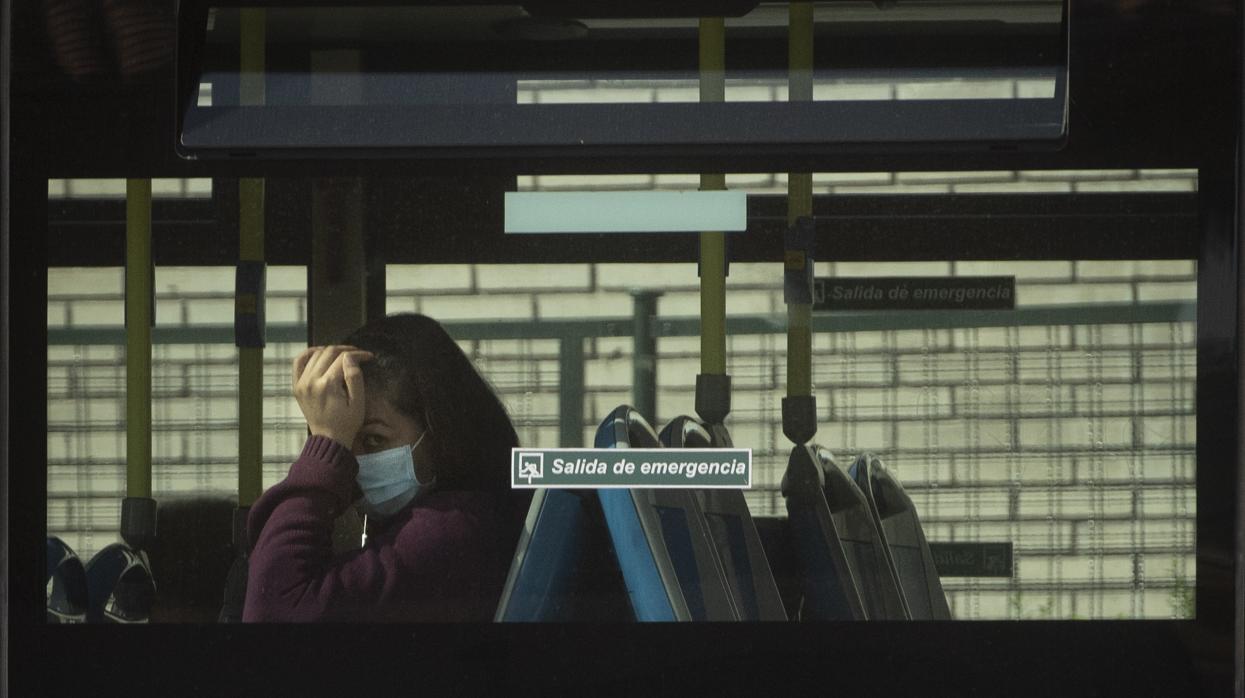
(644, 352)
(713, 393)
(250, 358)
(337, 282)
(138, 509)
(799, 408)
(250, 297)
(248, 324)
(571, 391)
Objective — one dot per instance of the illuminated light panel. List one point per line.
(626, 211)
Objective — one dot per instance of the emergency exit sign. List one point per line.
(915, 293)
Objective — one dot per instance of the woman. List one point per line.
(403, 425)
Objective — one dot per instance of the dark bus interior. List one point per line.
(1036, 497)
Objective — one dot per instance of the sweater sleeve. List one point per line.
(294, 576)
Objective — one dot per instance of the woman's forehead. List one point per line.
(377, 405)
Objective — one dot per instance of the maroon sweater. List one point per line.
(444, 557)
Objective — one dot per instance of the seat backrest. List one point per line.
(830, 589)
(661, 539)
(900, 529)
(119, 585)
(563, 569)
(65, 581)
(686, 432)
(734, 534)
(867, 555)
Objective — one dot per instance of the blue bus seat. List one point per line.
(65, 581)
(564, 567)
(866, 552)
(615, 554)
(661, 538)
(734, 534)
(830, 590)
(900, 529)
(120, 587)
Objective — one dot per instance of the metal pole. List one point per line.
(644, 355)
(251, 249)
(337, 276)
(713, 385)
(571, 392)
(138, 286)
(712, 244)
(138, 509)
(799, 407)
(800, 200)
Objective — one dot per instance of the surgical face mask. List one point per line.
(388, 479)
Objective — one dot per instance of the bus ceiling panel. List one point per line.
(295, 132)
(488, 80)
(421, 221)
(1154, 88)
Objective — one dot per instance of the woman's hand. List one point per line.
(328, 385)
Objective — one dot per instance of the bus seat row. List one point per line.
(697, 554)
(114, 586)
(852, 540)
(659, 539)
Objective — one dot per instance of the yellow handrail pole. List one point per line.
(712, 244)
(713, 385)
(138, 509)
(799, 406)
(251, 249)
(138, 313)
(800, 200)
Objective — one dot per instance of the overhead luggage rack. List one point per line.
(488, 80)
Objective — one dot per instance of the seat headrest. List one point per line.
(625, 427)
(875, 480)
(65, 581)
(803, 477)
(841, 491)
(825, 456)
(120, 586)
(686, 432)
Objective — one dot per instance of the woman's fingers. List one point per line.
(336, 374)
(300, 362)
(354, 375)
(332, 401)
(319, 364)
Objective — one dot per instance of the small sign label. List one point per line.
(972, 559)
(915, 293)
(569, 468)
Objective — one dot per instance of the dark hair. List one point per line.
(425, 374)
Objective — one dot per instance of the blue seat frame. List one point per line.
(657, 538)
(735, 538)
(900, 528)
(830, 589)
(867, 554)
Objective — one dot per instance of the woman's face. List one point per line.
(384, 427)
